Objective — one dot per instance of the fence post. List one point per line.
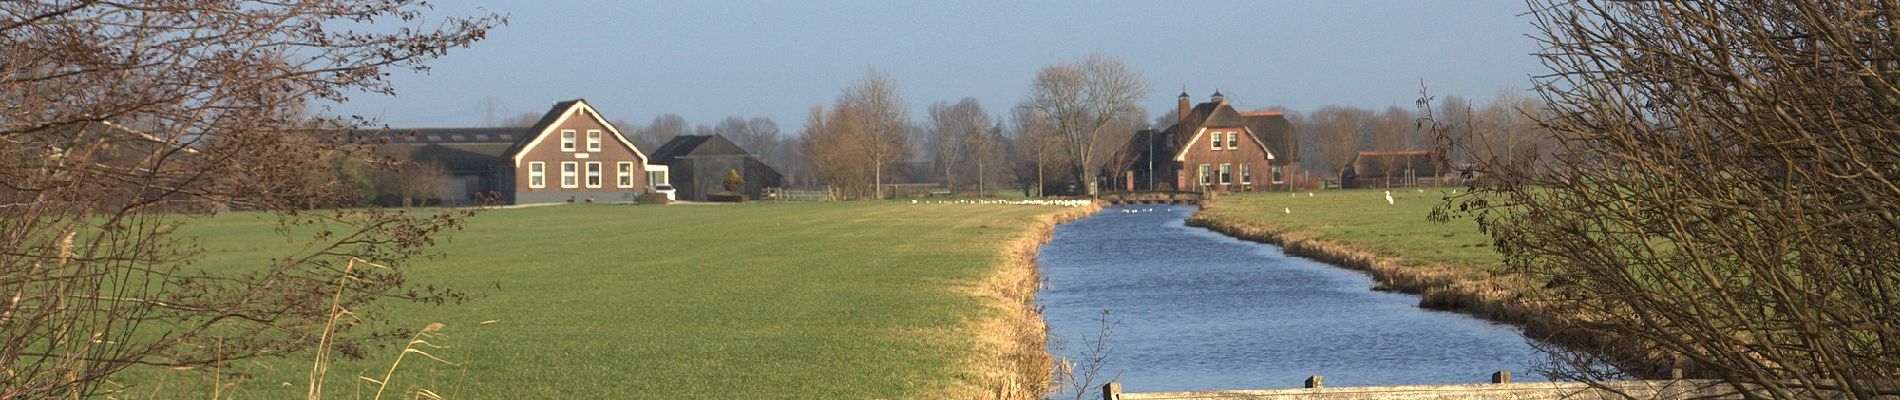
(1112, 391)
(1502, 376)
(1315, 382)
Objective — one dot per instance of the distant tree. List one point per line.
(872, 110)
(663, 129)
(124, 120)
(523, 120)
(1720, 192)
(1037, 143)
(1339, 128)
(954, 130)
(835, 154)
(1081, 99)
(983, 149)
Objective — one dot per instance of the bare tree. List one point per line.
(874, 111)
(1720, 192)
(1083, 98)
(955, 130)
(121, 120)
(1339, 130)
(1036, 142)
(663, 129)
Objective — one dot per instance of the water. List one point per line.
(1195, 310)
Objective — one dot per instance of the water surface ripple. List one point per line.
(1196, 310)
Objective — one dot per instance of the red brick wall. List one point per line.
(611, 153)
(1247, 151)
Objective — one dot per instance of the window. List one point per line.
(569, 174)
(1246, 174)
(624, 173)
(1217, 141)
(1207, 175)
(593, 140)
(1226, 174)
(537, 175)
(593, 174)
(656, 178)
(567, 140)
(1233, 140)
(1279, 174)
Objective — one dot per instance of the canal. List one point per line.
(1191, 309)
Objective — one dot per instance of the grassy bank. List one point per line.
(1450, 265)
(814, 300)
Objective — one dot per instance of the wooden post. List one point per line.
(1502, 376)
(1315, 382)
(1675, 373)
(1112, 391)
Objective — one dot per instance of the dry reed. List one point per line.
(1011, 360)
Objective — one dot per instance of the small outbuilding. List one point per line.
(1377, 169)
(698, 166)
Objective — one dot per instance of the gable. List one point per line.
(551, 123)
(1220, 117)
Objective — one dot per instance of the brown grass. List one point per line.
(1012, 360)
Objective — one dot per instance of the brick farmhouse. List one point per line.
(1213, 147)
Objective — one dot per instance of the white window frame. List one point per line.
(1233, 140)
(1217, 140)
(594, 173)
(537, 175)
(1246, 174)
(1226, 174)
(567, 140)
(593, 140)
(656, 178)
(1207, 172)
(1279, 175)
(570, 174)
(623, 175)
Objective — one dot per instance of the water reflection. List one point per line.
(1195, 310)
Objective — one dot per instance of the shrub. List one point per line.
(654, 199)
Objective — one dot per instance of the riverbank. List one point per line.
(1012, 357)
(1450, 265)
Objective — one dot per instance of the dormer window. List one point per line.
(567, 140)
(593, 140)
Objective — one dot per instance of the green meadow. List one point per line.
(800, 300)
(1362, 219)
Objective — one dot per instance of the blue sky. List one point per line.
(707, 60)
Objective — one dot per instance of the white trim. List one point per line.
(595, 174)
(593, 141)
(623, 174)
(1246, 174)
(532, 174)
(1277, 174)
(1182, 155)
(570, 177)
(1205, 178)
(1225, 174)
(568, 144)
(578, 105)
(1217, 142)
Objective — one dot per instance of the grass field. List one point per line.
(1363, 220)
(805, 300)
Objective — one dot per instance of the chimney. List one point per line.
(1181, 116)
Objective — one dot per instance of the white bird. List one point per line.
(913, 202)
(1421, 190)
(1289, 211)
(1388, 197)
(1309, 194)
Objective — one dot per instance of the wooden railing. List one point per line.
(1500, 388)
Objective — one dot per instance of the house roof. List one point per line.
(1272, 128)
(697, 146)
(470, 148)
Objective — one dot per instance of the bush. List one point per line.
(654, 199)
(726, 198)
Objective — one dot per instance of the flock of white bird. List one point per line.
(1030, 202)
